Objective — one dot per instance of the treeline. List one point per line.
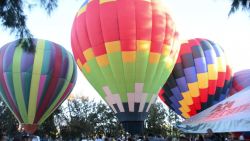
(85, 118)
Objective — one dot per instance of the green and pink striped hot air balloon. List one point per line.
(34, 84)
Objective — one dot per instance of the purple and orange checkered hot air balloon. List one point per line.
(126, 49)
(34, 84)
(201, 78)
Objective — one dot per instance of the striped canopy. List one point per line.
(126, 49)
(200, 79)
(34, 84)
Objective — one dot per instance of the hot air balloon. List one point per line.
(34, 84)
(126, 49)
(201, 78)
(241, 80)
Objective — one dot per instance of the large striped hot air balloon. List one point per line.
(201, 78)
(126, 49)
(34, 84)
(241, 80)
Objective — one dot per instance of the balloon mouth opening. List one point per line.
(30, 128)
(133, 127)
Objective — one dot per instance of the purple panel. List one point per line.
(200, 65)
(217, 49)
(176, 109)
(176, 92)
(175, 102)
(191, 75)
(210, 56)
(27, 62)
(182, 84)
(8, 57)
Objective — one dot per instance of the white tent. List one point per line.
(229, 115)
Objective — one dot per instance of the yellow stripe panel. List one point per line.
(187, 98)
(166, 49)
(79, 64)
(154, 57)
(128, 56)
(86, 68)
(221, 64)
(169, 62)
(143, 45)
(102, 60)
(89, 54)
(185, 115)
(202, 80)
(212, 72)
(82, 10)
(105, 1)
(114, 46)
(184, 105)
(193, 89)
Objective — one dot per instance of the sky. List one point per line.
(194, 18)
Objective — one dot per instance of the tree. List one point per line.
(49, 126)
(237, 4)
(8, 122)
(156, 121)
(13, 17)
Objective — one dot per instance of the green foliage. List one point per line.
(88, 119)
(160, 121)
(237, 4)
(8, 123)
(13, 17)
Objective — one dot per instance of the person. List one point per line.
(3, 137)
(99, 138)
(210, 136)
(200, 137)
(241, 137)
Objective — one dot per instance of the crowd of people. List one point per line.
(209, 136)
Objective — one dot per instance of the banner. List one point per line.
(229, 115)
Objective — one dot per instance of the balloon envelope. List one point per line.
(126, 49)
(241, 80)
(34, 84)
(201, 78)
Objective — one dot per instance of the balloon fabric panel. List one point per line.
(201, 78)
(126, 54)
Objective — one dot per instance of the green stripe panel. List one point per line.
(129, 73)
(109, 78)
(17, 82)
(37, 67)
(66, 83)
(141, 66)
(98, 78)
(151, 69)
(116, 65)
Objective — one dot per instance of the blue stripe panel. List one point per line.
(200, 65)
(176, 109)
(175, 102)
(182, 84)
(217, 50)
(210, 56)
(176, 92)
(191, 75)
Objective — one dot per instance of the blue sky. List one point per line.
(194, 18)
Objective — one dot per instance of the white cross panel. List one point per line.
(137, 97)
(113, 99)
